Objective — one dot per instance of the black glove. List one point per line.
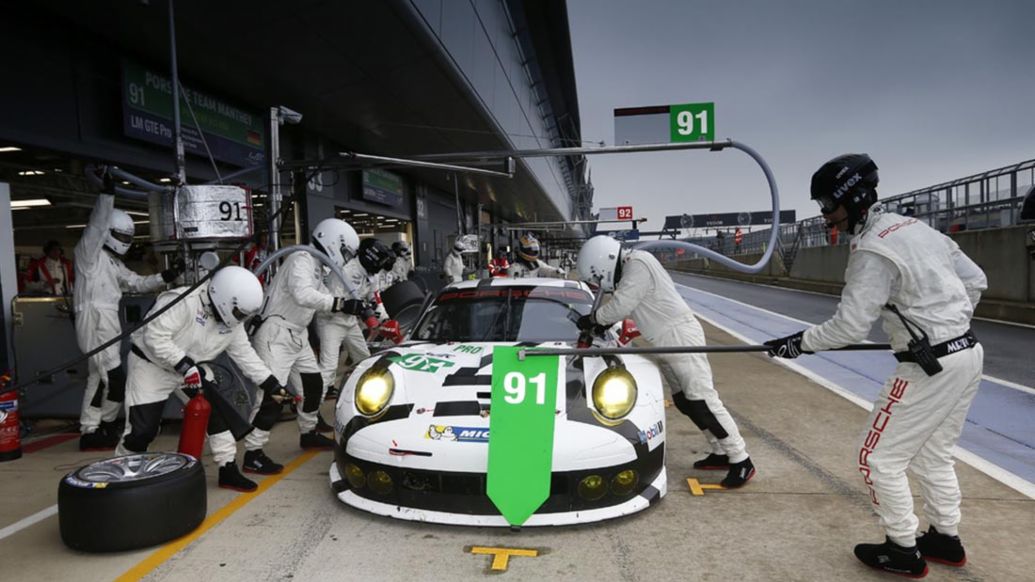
(348, 306)
(786, 347)
(586, 323)
(274, 389)
(178, 267)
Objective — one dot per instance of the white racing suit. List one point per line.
(522, 269)
(100, 280)
(189, 329)
(282, 342)
(401, 270)
(917, 418)
(646, 293)
(454, 267)
(337, 329)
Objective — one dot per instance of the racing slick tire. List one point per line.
(131, 502)
(400, 296)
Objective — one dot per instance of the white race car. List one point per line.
(412, 422)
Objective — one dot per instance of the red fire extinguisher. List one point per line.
(195, 422)
(10, 427)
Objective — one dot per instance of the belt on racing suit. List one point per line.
(956, 344)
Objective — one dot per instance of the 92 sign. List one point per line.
(625, 212)
(692, 122)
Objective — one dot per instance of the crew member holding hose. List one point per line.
(926, 289)
(166, 353)
(282, 340)
(343, 327)
(644, 291)
(100, 280)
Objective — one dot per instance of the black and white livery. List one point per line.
(413, 422)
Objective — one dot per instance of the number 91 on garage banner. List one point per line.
(521, 424)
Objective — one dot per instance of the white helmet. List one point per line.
(337, 239)
(120, 232)
(598, 261)
(235, 293)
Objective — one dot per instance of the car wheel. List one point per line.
(131, 502)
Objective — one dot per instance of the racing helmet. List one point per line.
(458, 246)
(850, 181)
(337, 239)
(599, 262)
(528, 248)
(235, 293)
(375, 256)
(120, 232)
(401, 249)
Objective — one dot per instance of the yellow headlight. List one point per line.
(624, 482)
(614, 393)
(374, 392)
(380, 482)
(592, 487)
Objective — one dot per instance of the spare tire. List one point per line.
(131, 502)
(400, 296)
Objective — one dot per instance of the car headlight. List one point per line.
(374, 391)
(614, 394)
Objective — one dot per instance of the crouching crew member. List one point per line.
(644, 291)
(926, 289)
(166, 353)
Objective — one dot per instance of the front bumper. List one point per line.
(460, 498)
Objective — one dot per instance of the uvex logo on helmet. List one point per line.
(847, 186)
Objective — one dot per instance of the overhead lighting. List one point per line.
(362, 214)
(30, 203)
(10, 149)
(164, 180)
(31, 173)
(137, 213)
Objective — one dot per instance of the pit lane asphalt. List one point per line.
(1008, 348)
(797, 520)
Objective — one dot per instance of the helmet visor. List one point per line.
(827, 203)
(121, 236)
(239, 315)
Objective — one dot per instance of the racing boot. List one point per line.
(713, 462)
(257, 462)
(321, 424)
(739, 474)
(942, 548)
(97, 440)
(892, 558)
(230, 477)
(113, 429)
(332, 393)
(315, 440)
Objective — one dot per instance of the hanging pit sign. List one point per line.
(383, 187)
(234, 135)
(665, 124)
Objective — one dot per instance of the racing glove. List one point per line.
(786, 347)
(277, 392)
(178, 267)
(191, 374)
(586, 323)
(348, 306)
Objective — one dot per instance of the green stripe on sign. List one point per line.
(524, 403)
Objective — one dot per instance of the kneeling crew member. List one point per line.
(926, 289)
(644, 291)
(198, 328)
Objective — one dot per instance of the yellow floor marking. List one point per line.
(172, 548)
(697, 488)
(501, 556)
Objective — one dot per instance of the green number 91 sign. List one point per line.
(521, 425)
(692, 122)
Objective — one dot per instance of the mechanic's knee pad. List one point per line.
(312, 392)
(699, 414)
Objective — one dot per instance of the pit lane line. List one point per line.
(997, 439)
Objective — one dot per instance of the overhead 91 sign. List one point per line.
(665, 124)
(692, 122)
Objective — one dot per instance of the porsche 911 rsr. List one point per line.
(413, 422)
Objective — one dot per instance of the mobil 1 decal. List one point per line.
(524, 403)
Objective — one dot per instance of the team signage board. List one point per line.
(524, 408)
(383, 187)
(625, 235)
(727, 219)
(665, 124)
(616, 213)
(234, 135)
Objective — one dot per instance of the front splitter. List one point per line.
(633, 505)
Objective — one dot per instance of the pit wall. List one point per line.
(1000, 252)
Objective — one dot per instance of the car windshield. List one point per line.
(505, 314)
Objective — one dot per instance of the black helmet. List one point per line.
(375, 256)
(401, 249)
(850, 181)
